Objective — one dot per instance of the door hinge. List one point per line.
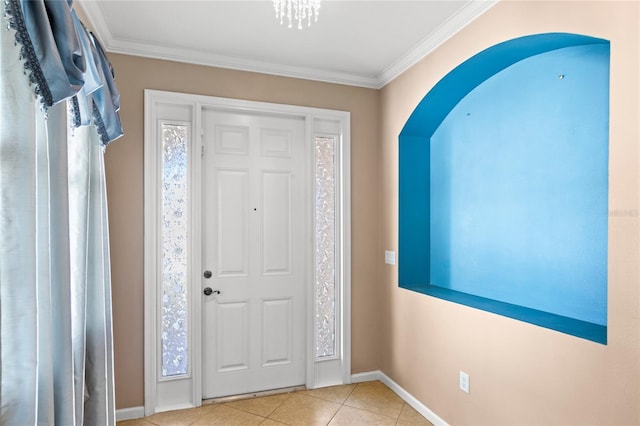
(202, 143)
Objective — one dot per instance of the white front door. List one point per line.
(256, 245)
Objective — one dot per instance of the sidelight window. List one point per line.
(325, 238)
(174, 225)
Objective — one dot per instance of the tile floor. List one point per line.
(369, 403)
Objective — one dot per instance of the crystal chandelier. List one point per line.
(297, 10)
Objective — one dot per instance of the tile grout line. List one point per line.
(275, 409)
(342, 404)
(396, 419)
(400, 412)
(280, 405)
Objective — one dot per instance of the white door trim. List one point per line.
(186, 391)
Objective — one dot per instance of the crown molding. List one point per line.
(444, 32)
(221, 61)
(457, 22)
(97, 24)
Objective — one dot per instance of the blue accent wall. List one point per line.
(414, 216)
(504, 184)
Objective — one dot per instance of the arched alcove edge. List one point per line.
(414, 177)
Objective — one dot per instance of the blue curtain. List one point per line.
(56, 345)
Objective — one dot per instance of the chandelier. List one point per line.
(297, 10)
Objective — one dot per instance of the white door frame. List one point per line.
(163, 394)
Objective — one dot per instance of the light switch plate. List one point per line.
(464, 381)
(390, 257)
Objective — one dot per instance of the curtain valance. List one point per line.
(65, 61)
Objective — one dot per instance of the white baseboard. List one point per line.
(129, 413)
(425, 411)
(368, 376)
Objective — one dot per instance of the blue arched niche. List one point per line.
(503, 174)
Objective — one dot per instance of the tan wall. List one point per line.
(124, 165)
(520, 373)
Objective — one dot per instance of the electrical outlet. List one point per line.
(464, 381)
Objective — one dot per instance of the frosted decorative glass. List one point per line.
(325, 221)
(174, 250)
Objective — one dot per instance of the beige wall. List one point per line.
(124, 165)
(520, 373)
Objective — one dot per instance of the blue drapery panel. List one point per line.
(65, 61)
(56, 343)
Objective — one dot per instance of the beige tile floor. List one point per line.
(369, 403)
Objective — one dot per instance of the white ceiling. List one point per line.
(360, 43)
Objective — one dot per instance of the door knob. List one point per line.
(207, 274)
(208, 291)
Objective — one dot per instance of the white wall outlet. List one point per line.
(464, 381)
(390, 257)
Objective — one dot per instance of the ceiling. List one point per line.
(360, 43)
